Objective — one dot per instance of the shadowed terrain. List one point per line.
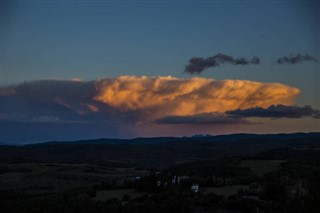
(231, 173)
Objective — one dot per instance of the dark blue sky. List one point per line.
(89, 40)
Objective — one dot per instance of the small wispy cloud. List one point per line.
(198, 64)
(295, 59)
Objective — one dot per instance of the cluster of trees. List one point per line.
(294, 187)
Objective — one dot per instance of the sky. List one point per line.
(123, 69)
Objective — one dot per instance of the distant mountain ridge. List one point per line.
(154, 140)
(160, 152)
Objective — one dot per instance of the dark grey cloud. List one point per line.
(277, 111)
(203, 118)
(240, 116)
(49, 101)
(57, 110)
(198, 64)
(295, 59)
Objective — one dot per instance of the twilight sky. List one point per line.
(122, 69)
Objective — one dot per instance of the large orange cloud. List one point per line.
(113, 107)
(156, 97)
(141, 99)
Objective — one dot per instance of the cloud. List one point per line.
(204, 118)
(156, 97)
(138, 99)
(295, 59)
(128, 105)
(277, 111)
(76, 79)
(240, 116)
(51, 101)
(198, 64)
(46, 119)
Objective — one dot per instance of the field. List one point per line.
(104, 195)
(43, 178)
(261, 167)
(225, 190)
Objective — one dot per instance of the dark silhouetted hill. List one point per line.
(160, 152)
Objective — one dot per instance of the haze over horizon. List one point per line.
(81, 70)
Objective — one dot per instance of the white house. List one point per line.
(195, 187)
